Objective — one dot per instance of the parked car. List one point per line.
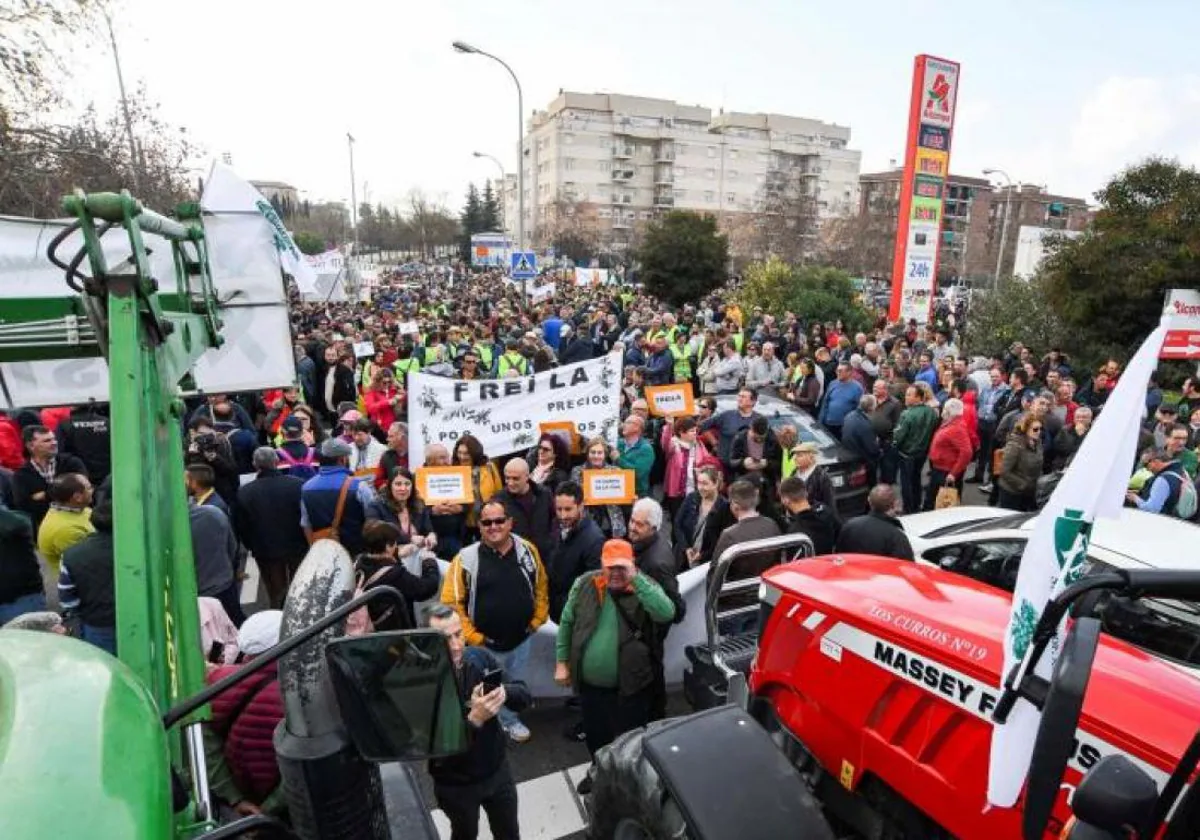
(847, 470)
(987, 544)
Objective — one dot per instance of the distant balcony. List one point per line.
(623, 151)
(665, 153)
(622, 224)
(622, 174)
(664, 175)
(664, 200)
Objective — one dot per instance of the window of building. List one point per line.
(712, 151)
(679, 194)
(710, 196)
(645, 214)
(730, 198)
(604, 165)
(569, 164)
(732, 173)
(604, 212)
(733, 154)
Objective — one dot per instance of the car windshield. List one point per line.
(1014, 522)
(1170, 629)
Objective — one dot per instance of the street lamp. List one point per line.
(503, 179)
(1004, 227)
(462, 47)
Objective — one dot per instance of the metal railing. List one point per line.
(796, 546)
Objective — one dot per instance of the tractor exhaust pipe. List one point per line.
(331, 792)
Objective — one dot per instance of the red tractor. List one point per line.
(877, 682)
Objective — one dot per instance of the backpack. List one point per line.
(359, 622)
(304, 469)
(1187, 503)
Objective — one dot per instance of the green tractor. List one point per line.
(100, 747)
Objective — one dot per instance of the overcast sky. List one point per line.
(1058, 92)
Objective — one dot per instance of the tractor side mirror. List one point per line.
(1115, 795)
(1060, 717)
(398, 695)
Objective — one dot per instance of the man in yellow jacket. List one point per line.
(499, 589)
(68, 521)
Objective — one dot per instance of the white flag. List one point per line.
(226, 192)
(1093, 486)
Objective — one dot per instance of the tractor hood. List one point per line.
(897, 629)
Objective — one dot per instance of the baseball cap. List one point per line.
(351, 416)
(335, 448)
(616, 553)
(292, 423)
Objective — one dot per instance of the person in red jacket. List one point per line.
(383, 400)
(969, 397)
(238, 741)
(950, 451)
(12, 453)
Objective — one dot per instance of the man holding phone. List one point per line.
(479, 778)
(608, 647)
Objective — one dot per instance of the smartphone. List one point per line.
(491, 680)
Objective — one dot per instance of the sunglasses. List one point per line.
(1035, 428)
(491, 523)
(545, 448)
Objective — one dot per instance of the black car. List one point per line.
(847, 470)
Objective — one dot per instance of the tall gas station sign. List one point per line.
(923, 187)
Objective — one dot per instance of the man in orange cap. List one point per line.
(609, 649)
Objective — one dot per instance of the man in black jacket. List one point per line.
(31, 482)
(858, 435)
(267, 522)
(479, 777)
(531, 507)
(573, 347)
(877, 532)
(85, 434)
(85, 585)
(818, 523)
(20, 577)
(655, 557)
(579, 546)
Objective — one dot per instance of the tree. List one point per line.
(571, 227)
(489, 209)
(785, 225)
(470, 220)
(309, 243)
(1109, 283)
(1017, 311)
(862, 244)
(32, 34)
(683, 258)
(814, 293)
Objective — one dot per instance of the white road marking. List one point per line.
(548, 808)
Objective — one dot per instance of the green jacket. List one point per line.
(914, 431)
(640, 458)
(600, 645)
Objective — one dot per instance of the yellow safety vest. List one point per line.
(484, 351)
(738, 340)
(404, 367)
(683, 365)
(507, 361)
(787, 466)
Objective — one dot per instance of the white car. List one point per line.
(987, 544)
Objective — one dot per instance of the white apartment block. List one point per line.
(632, 158)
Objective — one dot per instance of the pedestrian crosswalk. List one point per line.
(549, 808)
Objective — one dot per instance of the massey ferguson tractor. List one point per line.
(862, 706)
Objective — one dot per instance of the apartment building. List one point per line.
(973, 220)
(631, 158)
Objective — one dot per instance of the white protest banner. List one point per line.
(408, 328)
(591, 276)
(362, 349)
(505, 414)
(445, 485)
(541, 293)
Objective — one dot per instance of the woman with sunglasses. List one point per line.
(1021, 465)
(549, 461)
(610, 518)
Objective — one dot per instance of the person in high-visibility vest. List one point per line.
(512, 360)
(407, 363)
(683, 361)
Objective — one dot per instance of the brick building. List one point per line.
(973, 220)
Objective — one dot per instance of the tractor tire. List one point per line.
(628, 799)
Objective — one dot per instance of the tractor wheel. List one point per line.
(628, 800)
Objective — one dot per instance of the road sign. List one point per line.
(1183, 317)
(524, 265)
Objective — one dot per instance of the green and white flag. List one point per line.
(1093, 486)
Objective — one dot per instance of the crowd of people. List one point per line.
(269, 473)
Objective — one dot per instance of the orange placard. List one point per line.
(609, 487)
(566, 430)
(445, 485)
(671, 400)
